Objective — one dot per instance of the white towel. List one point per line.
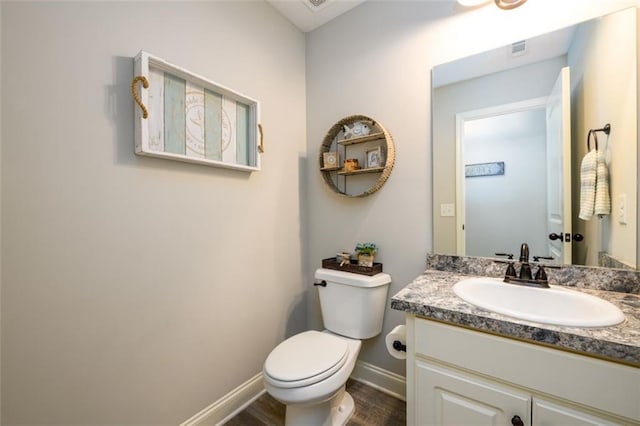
(603, 199)
(594, 186)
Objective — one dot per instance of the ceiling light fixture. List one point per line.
(502, 4)
(472, 3)
(509, 4)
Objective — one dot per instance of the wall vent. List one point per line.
(518, 48)
(316, 3)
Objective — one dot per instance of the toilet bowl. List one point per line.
(310, 367)
(308, 372)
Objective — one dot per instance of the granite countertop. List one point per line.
(431, 296)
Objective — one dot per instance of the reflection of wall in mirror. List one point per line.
(515, 85)
(517, 198)
(604, 90)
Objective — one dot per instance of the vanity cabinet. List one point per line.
(458, 376)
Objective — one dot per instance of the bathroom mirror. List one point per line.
(501, 173)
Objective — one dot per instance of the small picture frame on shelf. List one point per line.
(373, 158)
(330, 160)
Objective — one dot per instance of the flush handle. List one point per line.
(322, 283)
(398, 346)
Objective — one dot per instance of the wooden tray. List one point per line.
(331, 263)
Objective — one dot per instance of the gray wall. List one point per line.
(138, 290)
(375, 60)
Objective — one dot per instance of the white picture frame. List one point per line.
(235, 137)
(373, 158)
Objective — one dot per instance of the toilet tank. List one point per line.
(352, 304)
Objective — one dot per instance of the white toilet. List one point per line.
(308, 371)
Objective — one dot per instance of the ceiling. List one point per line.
(308, 15)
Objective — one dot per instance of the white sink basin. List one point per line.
(556, 305)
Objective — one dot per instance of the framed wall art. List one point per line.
(183, 116)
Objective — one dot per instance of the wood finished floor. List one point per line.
(373, 408)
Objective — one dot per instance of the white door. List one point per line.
(450, 397)
(559, 169)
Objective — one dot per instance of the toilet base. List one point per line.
(335, 411)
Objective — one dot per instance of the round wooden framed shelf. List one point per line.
(335, 139)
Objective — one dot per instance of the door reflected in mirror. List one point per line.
(501, 107)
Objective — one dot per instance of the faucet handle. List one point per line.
(511, 271)
(537, 258)
(508, 255)
(541, 275)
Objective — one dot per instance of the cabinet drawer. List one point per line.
(546, 412)
(600, 384)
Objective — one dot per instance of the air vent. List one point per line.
(518, 48)
(316, 3)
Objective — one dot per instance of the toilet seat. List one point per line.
(305, 359)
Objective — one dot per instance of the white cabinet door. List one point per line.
(452, 397)
(547, 413)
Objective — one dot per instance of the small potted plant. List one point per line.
(366, 252)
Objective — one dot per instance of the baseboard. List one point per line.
(229, 405)
(241, 397)
(390, 383)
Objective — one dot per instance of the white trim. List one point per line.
(385, 381)
(241, 397)
(229, 405)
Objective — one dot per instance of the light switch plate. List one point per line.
(447, 210)
(622, 209)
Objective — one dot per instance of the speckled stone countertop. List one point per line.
(431, 296)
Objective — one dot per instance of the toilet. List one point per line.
(308, 372)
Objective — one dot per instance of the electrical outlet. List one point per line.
(447, 210)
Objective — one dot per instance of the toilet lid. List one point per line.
(306, 358)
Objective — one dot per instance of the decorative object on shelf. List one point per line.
(357, 129)
(364, 179)
(366, 253)
(186, 117)
(331, 263)
(331, 160)
(350, 165)
(343, 258)
(373, 158)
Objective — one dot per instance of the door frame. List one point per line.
(461, 118)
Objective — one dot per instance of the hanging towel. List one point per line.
(594, 186)
(588, 170)
(603, 199)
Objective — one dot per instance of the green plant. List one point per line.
(366, 248)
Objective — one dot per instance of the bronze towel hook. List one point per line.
(606, 130)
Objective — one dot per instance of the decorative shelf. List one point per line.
(337, 178)
(362, 139)
(362, 171)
